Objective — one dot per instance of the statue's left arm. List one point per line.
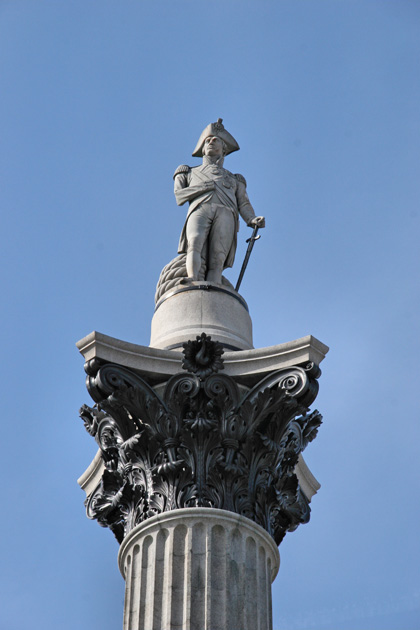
(244, 205)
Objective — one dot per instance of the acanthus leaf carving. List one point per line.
(200, 444)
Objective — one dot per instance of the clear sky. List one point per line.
(99, 103)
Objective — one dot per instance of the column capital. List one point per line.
(201, 439)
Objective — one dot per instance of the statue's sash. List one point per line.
(224, 198)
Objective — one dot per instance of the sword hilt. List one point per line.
(253, 238)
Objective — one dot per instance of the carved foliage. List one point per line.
(199, 445)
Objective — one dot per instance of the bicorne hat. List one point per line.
(216, 129)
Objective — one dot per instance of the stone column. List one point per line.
(198, 569)
(200, 474)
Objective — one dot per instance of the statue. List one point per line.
(216, 199)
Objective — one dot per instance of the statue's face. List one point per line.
(213, 146)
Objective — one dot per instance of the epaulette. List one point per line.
(183, 168)
(240, 178)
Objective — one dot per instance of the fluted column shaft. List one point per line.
(198, 569)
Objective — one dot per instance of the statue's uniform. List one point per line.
(213, 215)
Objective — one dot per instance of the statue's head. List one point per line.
(214, 147)
(215, 130)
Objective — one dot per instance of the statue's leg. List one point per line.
(220, 242)
(197, 231)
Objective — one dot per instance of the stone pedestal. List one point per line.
(198, 569)
(185, 312)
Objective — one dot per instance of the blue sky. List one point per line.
(99, 103)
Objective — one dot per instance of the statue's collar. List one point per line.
(211, 161)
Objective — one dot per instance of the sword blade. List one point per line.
(251, 242)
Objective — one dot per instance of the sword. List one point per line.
(251, 240)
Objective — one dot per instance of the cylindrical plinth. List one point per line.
(198, 569)
(198, 307)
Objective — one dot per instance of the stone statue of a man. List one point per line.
(216, 198)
